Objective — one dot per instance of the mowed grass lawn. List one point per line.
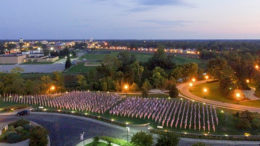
(80, 68)
(98, 57)
(214, 94)
(98, 144)
(141, 57)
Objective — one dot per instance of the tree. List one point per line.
(173, 92)
(146, 87)
(58, 79)
(158, 77)
(177, 72)
(46, 82)
(82, 82)
(160, 59)
(68, 62)
(219, 67)
(136, 71)
(142, 139)
(257, 92)
(226, 86)
(38, 136)
(2, 48)
(169, 139)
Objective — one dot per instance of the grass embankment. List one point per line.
(9, 107)
(96, 144)
(112, 140)
(215, 94)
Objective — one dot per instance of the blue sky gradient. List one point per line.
(130, 19)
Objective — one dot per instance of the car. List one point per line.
(23, 113)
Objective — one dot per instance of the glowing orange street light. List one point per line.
(205, 90)
(238, 96)
(247, 81)
(190, 84)
(256, 67)
(206, 77)
(126, 86)
(193, 79)
(52, 88)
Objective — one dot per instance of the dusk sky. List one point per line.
(130, 19)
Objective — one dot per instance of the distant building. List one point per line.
(21, 40)
(12, 59)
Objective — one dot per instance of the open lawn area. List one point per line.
(97, 144)
(214, 94)
(98, 56)
(80, 68)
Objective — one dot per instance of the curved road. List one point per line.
(185, 93)
(65, 130)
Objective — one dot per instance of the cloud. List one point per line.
(168, 22)
(159, 2)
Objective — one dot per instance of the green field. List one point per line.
(98, 56)
(214, 94)
(80, 68)
(98, 144)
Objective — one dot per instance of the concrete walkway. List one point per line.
(185, 93)
(22, 143)
(90, 140)
(250, 94)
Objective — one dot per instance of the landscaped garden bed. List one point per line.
(22, 130)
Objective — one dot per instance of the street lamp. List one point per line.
(206, 77)
(205, 90)
(193, 79)
(52, 88)
(247, 81)
(127, 129)
(126, 87)
(256, 67)
(238, 95)
(190, 84)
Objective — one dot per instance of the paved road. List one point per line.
(34, 68)
(65, 130)
(185, 93)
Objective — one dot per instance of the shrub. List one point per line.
(38, 136)
(170, 139)
(20, 122)
(27, 127)
(173, 92)
(19, 128)
(95, 141)
(13, 137)
(142, 139)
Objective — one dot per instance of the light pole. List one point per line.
(127, 130)
(126, 87)
(82, 138)
(205, 90)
